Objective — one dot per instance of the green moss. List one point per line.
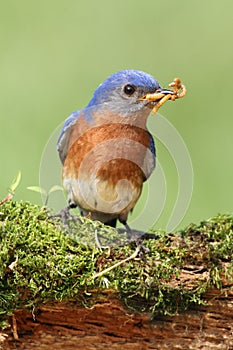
(40, 263)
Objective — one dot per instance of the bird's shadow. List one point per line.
(95, 234)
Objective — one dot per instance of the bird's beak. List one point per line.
(156, 99)
(164, 91)
(157, 95)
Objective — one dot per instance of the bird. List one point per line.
(106, 150)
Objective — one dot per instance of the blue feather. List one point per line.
(129, 76)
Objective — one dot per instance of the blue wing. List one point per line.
(153, 151)
(63, 140)
(152, 146)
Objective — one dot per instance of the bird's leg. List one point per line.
(65, 215)
(135, 236)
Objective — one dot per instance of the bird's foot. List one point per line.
(142, 248)
(65, 216)
(137, 237)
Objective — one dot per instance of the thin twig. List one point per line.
(97, 240)
(7, 199)
(14, 328)
(133, 256)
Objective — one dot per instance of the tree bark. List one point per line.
(109, 325)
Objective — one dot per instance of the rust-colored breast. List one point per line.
(111, 151)
(105, 168)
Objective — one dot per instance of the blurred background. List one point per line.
(55, 53)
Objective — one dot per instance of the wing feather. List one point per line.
(63, 140)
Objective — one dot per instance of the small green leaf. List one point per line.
(37, 189)
(15, 182)
(56, 188)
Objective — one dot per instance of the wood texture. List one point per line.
(108, 325)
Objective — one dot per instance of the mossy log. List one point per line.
(59, 291)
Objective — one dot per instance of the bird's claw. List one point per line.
(137, 237)
(64, 215)
(142, 248)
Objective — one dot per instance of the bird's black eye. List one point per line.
(129, 89)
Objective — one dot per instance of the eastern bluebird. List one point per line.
(106, 150)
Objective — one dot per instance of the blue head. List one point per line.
(122, 92)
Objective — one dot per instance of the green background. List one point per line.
(55, 53)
